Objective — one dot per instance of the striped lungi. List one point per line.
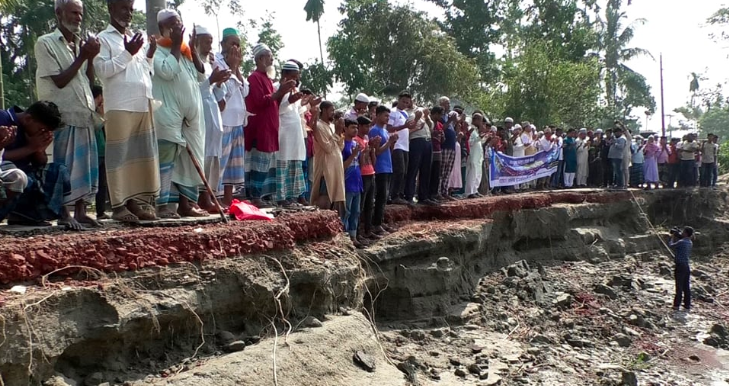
(213, 173)
(169, 154)
(290, 181)
(76, 148)
(132, 166)
(232, 160)
(260, 173)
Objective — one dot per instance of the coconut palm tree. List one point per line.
(694, 86)
(314, 11)
(614, 45)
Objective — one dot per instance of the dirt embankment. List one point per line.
(192, 296)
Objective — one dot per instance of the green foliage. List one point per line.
(545, 91)
(18, 33)
(382, 49)
(716, 121)
(720, 18)
(317, 78)
(723, 157)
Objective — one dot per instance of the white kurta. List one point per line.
(583, 168)
(211, 95)
(474, 167)
(179, 120)
(291, 145)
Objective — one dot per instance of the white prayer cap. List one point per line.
(61, 3)
(362, 97)
(517, 126)
(533, 127)
(452, 114)
(509, 120)
(260, 49)
(598, 131)
(290, 66)
(583, 130)
(166, 14)
(200, 30)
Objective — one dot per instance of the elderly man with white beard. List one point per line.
(64, 76)
(179, 122)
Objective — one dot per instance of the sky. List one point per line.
(675, 28)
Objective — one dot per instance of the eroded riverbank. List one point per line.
(440, 279)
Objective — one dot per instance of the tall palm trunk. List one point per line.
(321, 49)
(154, 6)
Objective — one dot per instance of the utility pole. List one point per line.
(2, 88)
(663, 111)
(153, 7)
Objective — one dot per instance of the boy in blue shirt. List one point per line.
(383, 166)
(681, 244)
(353, 185)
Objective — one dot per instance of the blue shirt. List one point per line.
(352, 175)
(450, 138)
(682, 249)
(10, 118)
(384, 160)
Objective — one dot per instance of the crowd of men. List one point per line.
(165, 108)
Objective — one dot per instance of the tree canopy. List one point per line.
(383, 49)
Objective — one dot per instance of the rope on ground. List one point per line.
(650, 224)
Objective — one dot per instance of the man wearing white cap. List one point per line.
(180, 122)
(233, 113)
(361, 101)
(583, 168)
(64, 76)
(132, 165)
(290, 182)
(263, 125)
(212, 91)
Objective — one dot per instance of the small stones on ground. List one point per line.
(629, 379)
(236, 346)
(437, 333)
(563, 301)
(622, 340)
(94, 379)
(417, 335)
(695, 358)
(476, 349)
(474, 368)
(460, 372)
(311, 322)
(365, 361)
(454, 361)
(607, 291)
(225, 337)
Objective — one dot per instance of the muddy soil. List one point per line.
(562, 288)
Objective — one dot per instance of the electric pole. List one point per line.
(663, 111)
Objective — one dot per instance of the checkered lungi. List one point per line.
(260, 173)
(290, 180)
(446, 168)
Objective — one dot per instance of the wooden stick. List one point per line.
(207, 185)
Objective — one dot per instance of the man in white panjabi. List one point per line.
(132, 164)
(583, 167)
(212, 91)
(474, 165)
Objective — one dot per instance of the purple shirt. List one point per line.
(663, 154)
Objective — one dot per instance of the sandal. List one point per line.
(125, 216)
(168, 215)
(147, 213)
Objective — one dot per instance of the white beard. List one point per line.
(271, 72)
(122, 24)
(73, 28)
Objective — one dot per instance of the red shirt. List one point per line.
(262, 129)
(437, 137)
(365, 165)
(673, 157)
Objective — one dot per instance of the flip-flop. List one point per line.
(167, 215)
(147, 213)
(125, 216)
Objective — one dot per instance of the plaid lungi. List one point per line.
(446, 168)
(76, 148)
(290, 182)
(169, 153)
(233, 156)
(260, 173)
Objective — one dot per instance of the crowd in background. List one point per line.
(145, 122)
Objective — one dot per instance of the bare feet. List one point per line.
(86, 220)
(192, 212)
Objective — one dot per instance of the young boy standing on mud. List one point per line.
(681, 245)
